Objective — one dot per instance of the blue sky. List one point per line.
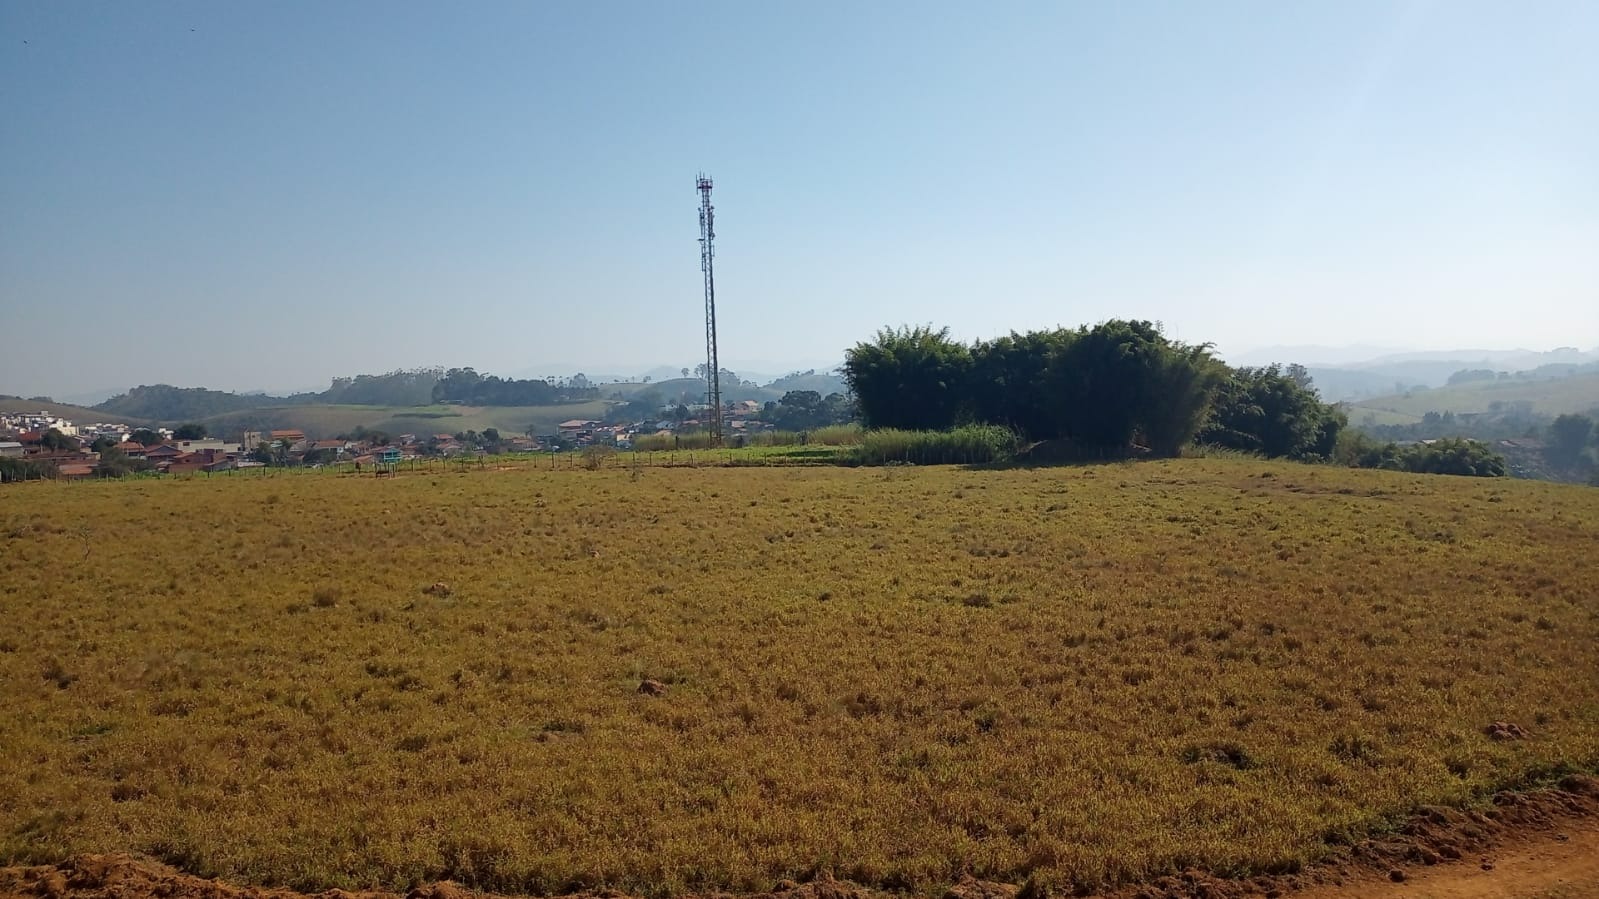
(266, 195)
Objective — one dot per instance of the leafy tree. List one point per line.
(1009, 381)
(101, 444)
(263, 453)
(53, 439)
(397, 388)
(1456, 456)
(800, 409)
(1467, 375)
(1357, 450)
(13, 469)
(145, 437)
(910, 378)
(1103, 382)
(1568, 436)
(840, 408)
(191, 431)
(646, 404)
(114, 463)
(465, 386)
(1180, 385)
(1265, 410)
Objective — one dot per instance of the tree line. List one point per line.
(412, 387)
(464, 386)
(1106, 390)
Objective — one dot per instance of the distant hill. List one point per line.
(1394, 374)
(692, 390)
(167, 403)
(1547, 397)
(75, 414)
(823, 382)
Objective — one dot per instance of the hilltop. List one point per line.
(12, 404)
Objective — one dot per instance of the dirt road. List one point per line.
(1542, 866)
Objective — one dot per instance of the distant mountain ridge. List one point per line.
(1396, 372)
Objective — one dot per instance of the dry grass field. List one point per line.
(1082, 676)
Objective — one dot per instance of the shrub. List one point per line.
(594, 457)
(968, 445)
(1455, 456)
(1356, 450)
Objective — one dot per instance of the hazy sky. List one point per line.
(248, 195)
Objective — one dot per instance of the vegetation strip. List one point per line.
(1432, 837)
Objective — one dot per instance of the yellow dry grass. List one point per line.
(1082, 675)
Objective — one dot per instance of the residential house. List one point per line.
(288, 437)
(11, 449)
(208, 443)
(576, 429)
(162, 452)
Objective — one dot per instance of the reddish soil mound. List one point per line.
(1526, 844)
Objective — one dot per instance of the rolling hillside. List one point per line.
(330, 420)
(77, 414)
(1555, 396)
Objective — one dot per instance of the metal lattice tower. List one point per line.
(713, 372)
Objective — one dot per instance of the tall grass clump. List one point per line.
(1216, 451)
(836, 435)
(693, 440)
(967, 445)
(831, 435)
(652, 443)
(774, 438)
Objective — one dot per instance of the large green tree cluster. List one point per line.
(1274, 412)
(1102, 387)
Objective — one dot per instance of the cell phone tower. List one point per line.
(713, 371)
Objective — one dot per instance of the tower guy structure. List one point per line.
(713, 371)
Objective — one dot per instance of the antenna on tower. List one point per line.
(713, 371)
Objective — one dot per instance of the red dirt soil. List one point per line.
(1542, 844)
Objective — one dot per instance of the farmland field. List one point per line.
(1080, 676)
(327, 420)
